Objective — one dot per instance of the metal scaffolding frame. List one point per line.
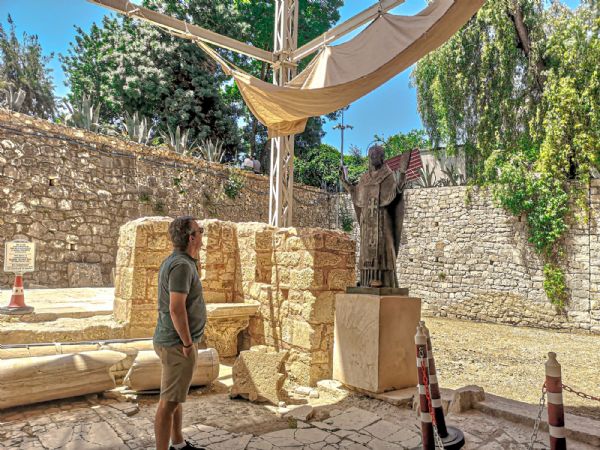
(281, 198)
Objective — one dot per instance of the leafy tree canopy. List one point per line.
(128, 66)
(320, 167)
(404, 142)
(131, 67)
(23, 66)
(315, 17)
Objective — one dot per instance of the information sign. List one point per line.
(19, 256)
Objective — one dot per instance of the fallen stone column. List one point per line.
(67, 348)
(145, 371)
(31, 380)
(130, 348)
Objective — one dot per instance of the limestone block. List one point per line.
(339, 242)
(466, 398)
(340, 279)
(145, 372)
(306, 241)
(303, 412)
(259, 376)
(31, 380)
(84, 275)
(306, 278)
(299, 333)
(374, 341)
(321, 309)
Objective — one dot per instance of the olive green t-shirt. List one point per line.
(179, 273)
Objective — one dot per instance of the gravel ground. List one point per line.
(509, 361)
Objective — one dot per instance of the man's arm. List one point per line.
(180, 319)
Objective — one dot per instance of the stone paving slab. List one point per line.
(73, 299)
(97, 423)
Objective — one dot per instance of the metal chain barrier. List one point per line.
(436, 436)
(542, 403)
(538, 419)
(580, 394)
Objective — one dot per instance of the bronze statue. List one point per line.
(378, 200)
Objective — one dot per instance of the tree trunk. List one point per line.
(516, 15)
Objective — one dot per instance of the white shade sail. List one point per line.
(340, 74)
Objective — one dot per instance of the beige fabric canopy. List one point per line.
(340, 74)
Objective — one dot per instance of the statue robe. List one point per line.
(378, 200)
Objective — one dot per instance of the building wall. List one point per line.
(69, 191)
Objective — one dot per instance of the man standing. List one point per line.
(181, 321)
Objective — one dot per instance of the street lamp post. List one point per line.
(342, 128)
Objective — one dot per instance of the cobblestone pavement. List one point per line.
(219, 423)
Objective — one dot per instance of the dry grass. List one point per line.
(509, 361)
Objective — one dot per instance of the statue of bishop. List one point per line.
(378, 200)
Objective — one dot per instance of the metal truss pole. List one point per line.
(281, 193)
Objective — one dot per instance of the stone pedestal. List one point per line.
(374, 348)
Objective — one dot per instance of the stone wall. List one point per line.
(468, 258)
(69, 191)
(293, 274)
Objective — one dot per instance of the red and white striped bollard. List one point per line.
(452, 437)
(556, 412)
(428, 440)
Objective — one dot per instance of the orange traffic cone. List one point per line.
(17, 300)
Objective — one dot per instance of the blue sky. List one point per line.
(386, 111)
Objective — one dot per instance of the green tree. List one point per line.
(356, 164)
(320, 166)
(23, 66)
(128, 66)
(315, 17)
(519, 87)
(403, 142)
(480, 89)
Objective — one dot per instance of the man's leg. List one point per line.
(163, 422)
(176, 433)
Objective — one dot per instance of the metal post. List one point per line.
(281, 193)
(342, 128)
(556, 412)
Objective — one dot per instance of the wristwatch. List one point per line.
(188, 346)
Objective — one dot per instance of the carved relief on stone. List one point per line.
(221, 334)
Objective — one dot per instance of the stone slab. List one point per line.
(582, 429)
(374, 341)
(400, 397)
(377, 291)
(220, 310)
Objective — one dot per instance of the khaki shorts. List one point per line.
(177, 372)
